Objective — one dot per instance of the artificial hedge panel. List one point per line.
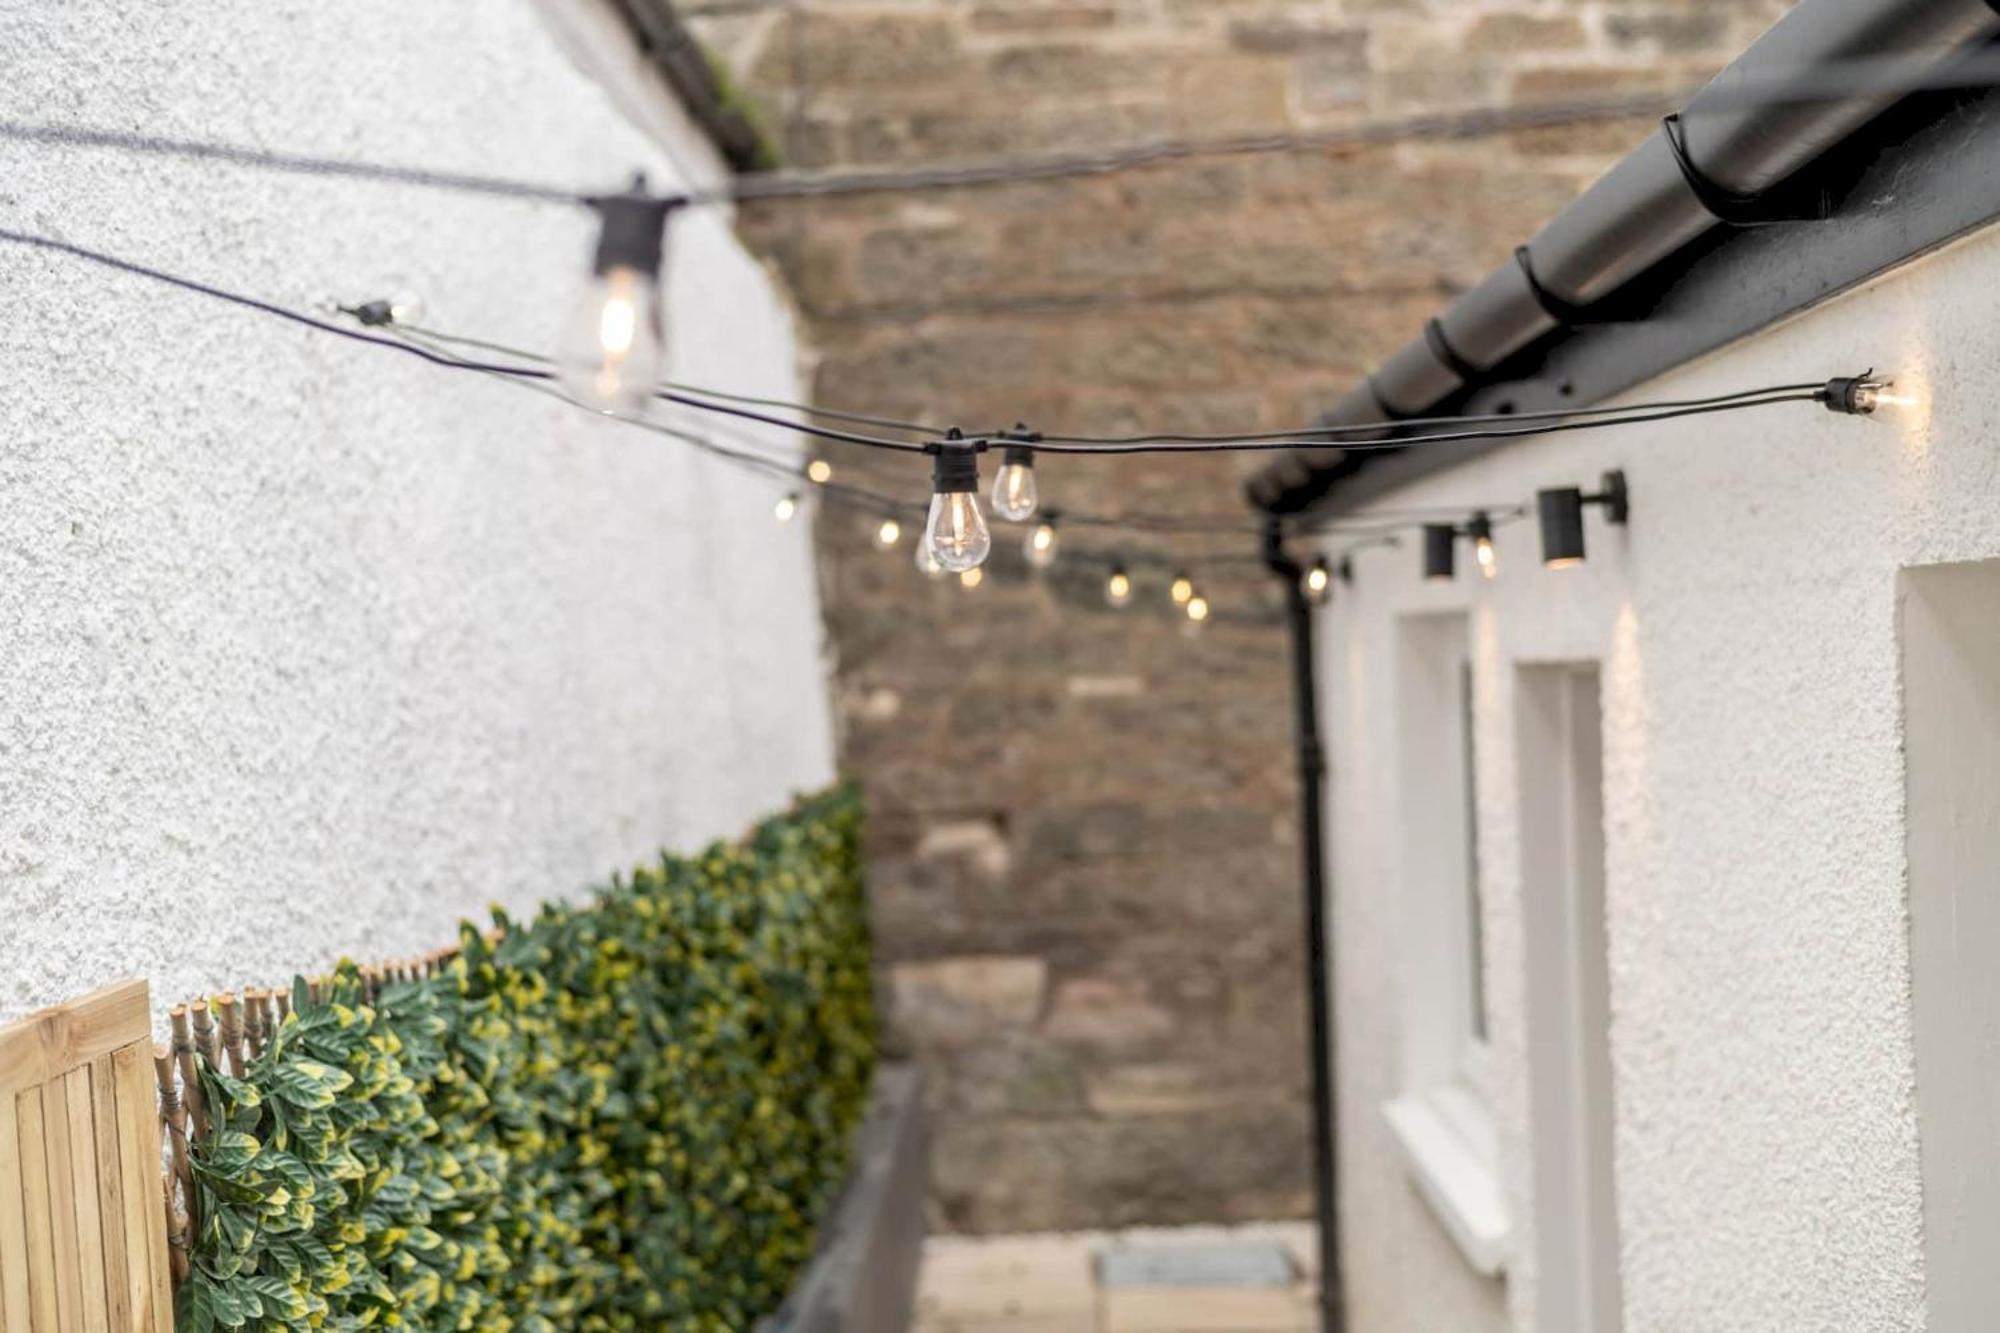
(621, 1116)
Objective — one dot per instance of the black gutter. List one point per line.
(665, 41)
(1318, 961)
(1725, 163)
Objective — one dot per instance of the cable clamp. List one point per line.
(1763, 209)
(1434, 338)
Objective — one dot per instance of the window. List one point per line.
(1443, 1118)
(1568, 996)
(1950, 621)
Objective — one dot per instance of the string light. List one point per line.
(887, 534)
(786, 508)
(1561, 511)
(1480, 529)
(954, 531)
(1857, 395)
(1197, 609)
(1014, 493)
(614, 352)
(1181, 589)
(1040, 548)
(972, 578)
(1318, 582)
(1118, 588)
(819, 472)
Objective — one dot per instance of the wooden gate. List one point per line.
(83, 1243)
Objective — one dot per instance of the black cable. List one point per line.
(1637, 415)
(1330, 431)
(240, 155)
(1873, 76)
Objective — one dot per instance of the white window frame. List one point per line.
(1572, 1101)
(1443, 1118)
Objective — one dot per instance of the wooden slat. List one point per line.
(110, 1204)
(148, 1280)
(14, 1305)
(37, 1202)
(83, 1203)
(46, 1045)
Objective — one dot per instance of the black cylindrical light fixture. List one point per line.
(1562, 526)
(1440, 551)
(1561, 512)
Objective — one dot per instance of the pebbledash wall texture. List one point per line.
(1083, 857)
(309, 649)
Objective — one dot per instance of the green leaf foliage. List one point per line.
(621, 1116)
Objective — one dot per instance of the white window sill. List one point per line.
(1457, 1181)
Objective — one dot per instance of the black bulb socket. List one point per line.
(955, 469)
(633, 229)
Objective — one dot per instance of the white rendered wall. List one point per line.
(307, 648)
(1746, 626)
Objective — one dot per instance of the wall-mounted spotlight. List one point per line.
(1440, 552)
(1562, 517)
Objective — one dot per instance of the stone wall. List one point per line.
(1084, 860)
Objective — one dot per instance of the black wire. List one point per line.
(1330, 431)
(1881, 77)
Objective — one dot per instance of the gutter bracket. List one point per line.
(1468, 374)
(1742, 210)
(1566, 313)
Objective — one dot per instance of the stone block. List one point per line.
(1106, 1015)
(1524, 34)
(1041, 18)
(1154, 1089)
(952, 1001)
(1681, 32)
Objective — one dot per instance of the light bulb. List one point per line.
(1197, 608)
(819, 472)
(972, 578)
(406, 307)
(1118, 588)
(1040, 548)
(1182, 589)
(888, 534)
(1480, 529)
(1318, 582)
(927, 563)
(1014, 494)
(955, 531)
(786, 508)
(613, 351)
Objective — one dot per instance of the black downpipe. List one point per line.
(1319, 965)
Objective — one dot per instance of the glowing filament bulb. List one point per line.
(972, 578)
(1040, 548)
(888, 534)
(1480, 529)
(955, 531)
(819, 472)
(786, 508)
(1182, 590)
(1197, 608)
(614, 351)
(1118, 588)
(1014, 493)
(1318, 581)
